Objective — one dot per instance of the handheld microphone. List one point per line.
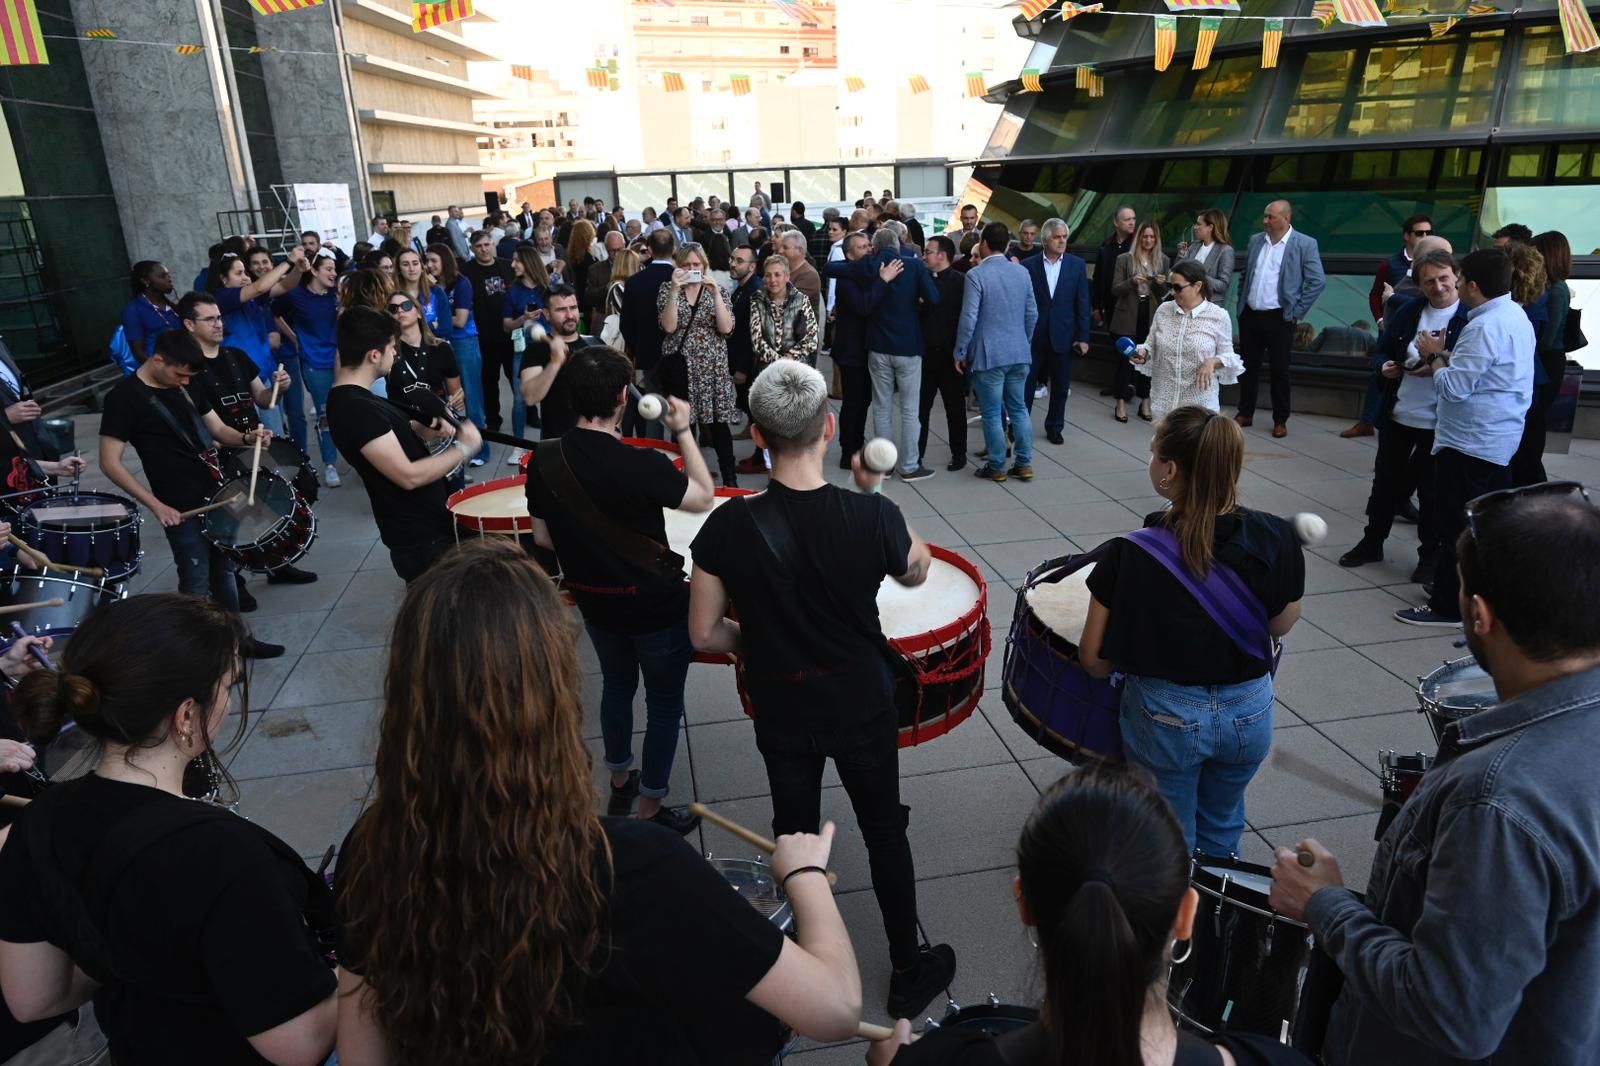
(1126, 346)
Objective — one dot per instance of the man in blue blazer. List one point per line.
(1282, 278)
(998, 315)
(1061, 291)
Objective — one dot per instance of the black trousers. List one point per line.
(1404, 460)
(857, 384)
(1265, 336)
(1129, 381)
(1527, 466)
(940, 377)
(412, 560)
(1457, 478)
(868, 761)
(498, 359)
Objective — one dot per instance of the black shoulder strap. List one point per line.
(773, 525)
(196, 437)
(632, 546)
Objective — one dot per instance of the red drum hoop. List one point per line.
(467, 506)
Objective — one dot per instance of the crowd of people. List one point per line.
(572, 936)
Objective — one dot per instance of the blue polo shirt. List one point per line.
(144, 321)
(316, 322)
(245, 325)
(458, 298)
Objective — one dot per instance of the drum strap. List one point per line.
(1223, 595)
(195, 436)
(633, 546)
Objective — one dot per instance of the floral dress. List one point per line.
(701, 375)
(1179, 341)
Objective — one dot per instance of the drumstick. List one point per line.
(235, 498)
(13, 801)
(34, 557)
(255, 462)
(38, 652)
(873, 1031)
(18, 608)
(749, 836)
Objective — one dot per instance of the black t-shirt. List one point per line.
(1157, 629)
(814, 651)
(209, 911)
(433, 364)
(631, 486)
(556, 415)
(489, 287)
(172, 463)
(681, 950)
(225, 384)
(405, 517)
(967, 1046)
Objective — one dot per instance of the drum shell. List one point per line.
(285, 541)
(109, 544)
(81, 596)
(283, 457)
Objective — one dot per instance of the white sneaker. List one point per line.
(1041, 392)
(330, 477)
(516, 456)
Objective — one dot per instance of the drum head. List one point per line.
(753, 880)
(1458, 688)
(1063, 606)
(498, 506)
(82, 511)
(241, 522)
(991, 1018)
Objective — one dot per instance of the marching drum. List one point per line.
(1458, 688)
(1047, 692)
(1399, 776)
(97, 529)
(283, 457)
(671, 449)
(80, 597)
(274, 532)
(993, 1018)
(498, 506)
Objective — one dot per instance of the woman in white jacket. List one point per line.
(1189, 352)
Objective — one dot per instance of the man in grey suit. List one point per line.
(1282, 278)
(994, 347)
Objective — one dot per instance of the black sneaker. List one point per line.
(1364, 552)
(957, 462)
(247, 602)
(622, 798)
(260, 649)
(913, 989)
(921, 473)
(288, 575)
(677, 819)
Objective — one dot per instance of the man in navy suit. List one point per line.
(641, 330)
(1061, 289)
(1282, 279)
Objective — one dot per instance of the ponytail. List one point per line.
(1208, 449)
(46, 702)
(1093, 971)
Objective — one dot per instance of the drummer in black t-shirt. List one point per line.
(1196, 709)
(637, 618)
(542, 382)
(803, 562)
(385, 444)
(173, 431)
(232, 387)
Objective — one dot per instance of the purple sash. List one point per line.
(1223, 594)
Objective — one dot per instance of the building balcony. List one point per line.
(374, 13)
(422, 122)
(427, 79)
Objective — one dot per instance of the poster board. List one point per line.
(326, 209)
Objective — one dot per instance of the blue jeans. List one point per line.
(469, 357)
(293, 403)
(319, 383)
(887, 371)
(1002, 387)
(1203, 743)
(519, 410)
(663, 657)
(202, 568)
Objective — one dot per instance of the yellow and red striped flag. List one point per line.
(1577, 28)
(520, 71)
(1032, 9)
(1031, 82)
(278, 7)
(21, 39)
(1097, 85)
(919, 84)
(1442, 27)
(425, 16)
(1202, 5)
(1206, 41)
(1070, 10)
(100, 34)
(1082, 76)
(1166, 40)
(1322, 11)
(853, 84)
(598, 78)
(1481, 9)
(256, 49)
(672, 81)
(1271, 41)
(975, 85)
(740, 84)
(1358, 13)
(189, 49)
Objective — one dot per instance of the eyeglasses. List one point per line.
(1422, 233)
(208, 319)
(1482, 506)
(403, 305)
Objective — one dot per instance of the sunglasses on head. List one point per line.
(402, 305)
(1481, 506)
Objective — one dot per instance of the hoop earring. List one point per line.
(1165, 483)
(1188, 949)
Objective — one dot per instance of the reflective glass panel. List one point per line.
(1550, 88)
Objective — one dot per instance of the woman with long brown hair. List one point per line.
(1196, 706)
(492, 917)
(1550, 354)
(1212, 250)
(581, 256)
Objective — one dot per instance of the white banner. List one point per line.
(326, 209)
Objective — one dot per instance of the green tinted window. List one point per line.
(1101, 38)
(1550, 88)
(1061, 119)
(1184, 108)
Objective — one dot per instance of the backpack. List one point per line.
(121, 352)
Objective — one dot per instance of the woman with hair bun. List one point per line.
(1103, 887)
(190, 927)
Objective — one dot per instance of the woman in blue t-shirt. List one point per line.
(414, 280)
(462, 333)
(150, 313)
(524, 304)
(315, 311)
(247, 324)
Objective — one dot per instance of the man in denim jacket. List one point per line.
(1479, 937)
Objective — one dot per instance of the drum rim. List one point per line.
(974, 619)
(17, 573)
(1433, 706)
(489, 523)
(1197, 866)
(132, 516)
(1390, 759)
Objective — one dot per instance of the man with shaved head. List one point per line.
(1282, 278)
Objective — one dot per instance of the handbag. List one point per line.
(1223, 595)
(654, 379)
(611, 328)
(1572, 337)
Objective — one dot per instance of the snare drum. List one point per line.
(283, 457)
(1047, 692)
(274, 532)
(1399, 776)
(1458, 688)
(81, 596)
(498, 506)
(1249, 970)
(96, 529)
(992, 1018)
(753, 880)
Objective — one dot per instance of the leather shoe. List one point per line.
(957, 462)
(1360, 429)
(1280, 430)
(1364, 552)
(289, 575)
(677, 819)
(260, 649)
(1245, 421)
(1054, 437)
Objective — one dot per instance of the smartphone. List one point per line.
(695, 277)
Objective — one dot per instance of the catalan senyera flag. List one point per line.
(740, 84)
(1442, 27)
(1082, 76)
(1166, 40)
(1577, 28)
(1322, 11)
(1481, 9)
(189, 49)
(1358, 13)
(1097, 85)
(1032, 9)
(853, 84)
(21, 39)
(523, 72)
(975, 85)
(100, 34)
(1206, 41)
(1271, 41)
(257, 50)
(919, 84)
(1202, 5)
(278, 7)
(1031, 82)
(425, 16)
(1070, 10)
(598, 78)
(672, 81)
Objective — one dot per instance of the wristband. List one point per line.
(465, 451)
(784, 884)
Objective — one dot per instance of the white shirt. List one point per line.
(1178, 343)
(835, 253)
(377, 239)
(1202, 253)
(1417, 404)
(1264, 273)
(1052, 271)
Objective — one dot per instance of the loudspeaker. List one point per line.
(491, 202)
(777, 193)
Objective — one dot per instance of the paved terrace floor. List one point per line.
(1345, 688)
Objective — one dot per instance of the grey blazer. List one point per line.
(1219, 271)
(1125, 316)
(1300, 281)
